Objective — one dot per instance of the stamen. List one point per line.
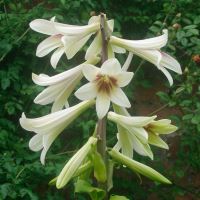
(105, 83)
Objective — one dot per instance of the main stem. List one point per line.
(101, 127)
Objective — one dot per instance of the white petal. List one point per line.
(151, 43)
(170, 63)
(140, 148)
(168, 75)
(118, 97)
(47, 142)
(48, 45)
(141, 133)
(56, 56)
(102, 105)
(61, 99)
(111, 67)
(130, 121)
(125, 141)
(49, 94)
(45, 80)
(157, 141)
(77, 30)
(43, 26)
(124, 78)
(95, 47)
(35, 143)
(118, 49)
(74, 44)
(87, 91)
(127, 62)
(111, 24)
(90, 72)
(94, 19)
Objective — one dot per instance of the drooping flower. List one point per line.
(65, 38)
(105, 85)
(138, 132)
(149, 49)
(48, 127)
(74, 163)
(60, 86)
(131, 134)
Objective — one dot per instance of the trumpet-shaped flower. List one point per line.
(149, 49)
(131, 134)
(48, 127)
(65, 38)
(105, 85)
(138, 132)
(60, 86)
(74, 163)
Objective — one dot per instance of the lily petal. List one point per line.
(90, 72)
(123, 79)
(157, 141)
(111, 67)
(130, 121)
(168, 75)
(152, 43)
(118, 97)
(56, 56)
(48, 45)
(87, 91)
(43, 26)
(102, 105)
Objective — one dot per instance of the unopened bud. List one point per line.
(178, 15)
(92, 13)
(176, 26)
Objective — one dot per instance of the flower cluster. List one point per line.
(105, 84)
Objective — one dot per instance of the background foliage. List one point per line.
(22, 175)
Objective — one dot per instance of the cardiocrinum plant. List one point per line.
(91, 167)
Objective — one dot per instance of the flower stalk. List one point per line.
(101, 126)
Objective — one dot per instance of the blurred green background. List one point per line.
(21, 174)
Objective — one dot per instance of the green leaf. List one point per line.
(117, 197)
(95, 193)
(5, 83)
(99, 167)
(190, 27)
(138, 167)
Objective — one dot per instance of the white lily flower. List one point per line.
(74, 163)
(138, 132)
(132, 134)
(64, 38)
(60, 86)
(149, 49)
(48, 127)
(105, 85)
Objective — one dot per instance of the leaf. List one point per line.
(5, 83)
(138, 167)
(117, 197)
(95, 193)
(99, 167)
(190, 27)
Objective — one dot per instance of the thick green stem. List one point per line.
(101, 127)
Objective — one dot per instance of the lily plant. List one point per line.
(106, 80)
